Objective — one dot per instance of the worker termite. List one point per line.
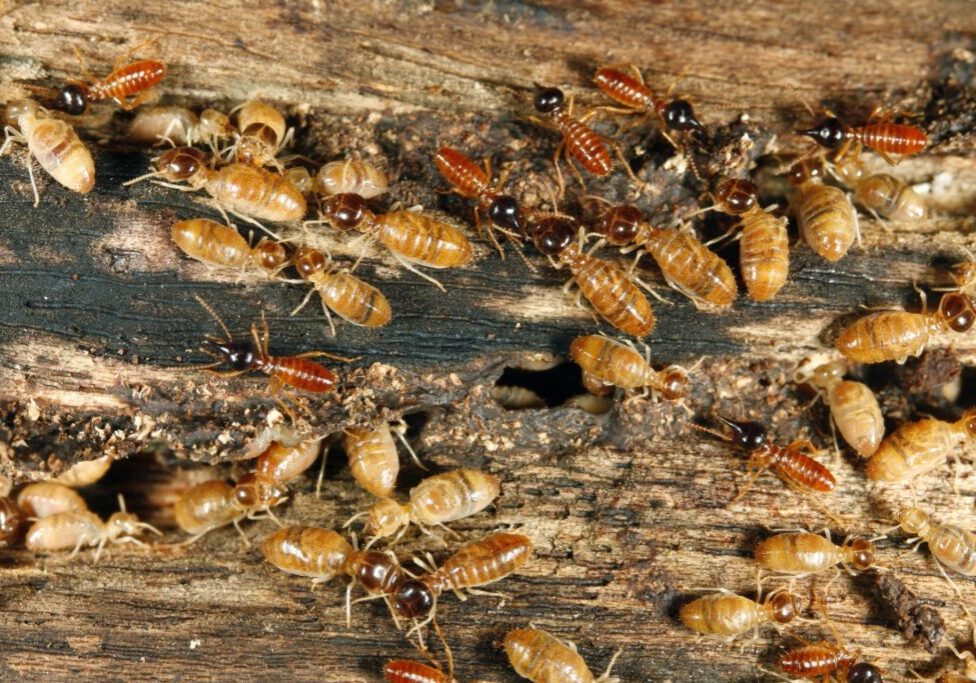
(853, 406)
(53, 143)
(127, 84)
(764, 249)
(349, 297)
(952, 546)
(12, 520)
(74, 530)
(180, 126)
(881, 194)
(622, 366)
(896, 335)
(406, 671)
(207, 506)
(880, 134)
(543, 658)
(373, 459)
(261, 132)
(243, 189)
(221, 245)
(411, 236)
(469, 180)
(46, 498)
(824, 214)
(918, 447)
(279, 464)
(806, 553)
(612, 292)
(687, 264)
(436, 500)
(631, 91)
(727, 614)
(85, 472)
(351, 176)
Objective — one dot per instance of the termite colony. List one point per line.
(240, 159)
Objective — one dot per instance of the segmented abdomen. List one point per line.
(255, 192)
(57, 148)
(764, 254)
(482, 562)
(299, 373)
(307, 551)
(819, 659)
(373, 459)
(462, 172)
(892, 138)
(955, 548)
(354, 300)
(612, 293)
(128, 80)
(624, 88)
(913, 449)
(692, 267)
(722, 614)
(827, 220)
(422, 239)
(585, 145)
(885, 336)
(211, 242)
(801, 469)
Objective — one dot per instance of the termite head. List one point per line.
(271, 256)
(821, 375)
(675, 384)
(958, 312)
(180, 163)
(413, 599)
(784, 607)
(504, 212)
(862, 672)
(678, 115)
(238, 355)
(386, 517)
(17, 108)
(378, 572)
(862, 554)
(969, 421)
(548, 100)
(215, 125)
(309, 261)
(345, 211)
(736, 195)
(123, 524)
(805, 171)
(250, 492)
(552, 234)
(829, 133)
(915, 521)
(620, 224)
(750, 436)
(72, 99)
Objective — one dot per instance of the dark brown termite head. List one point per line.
(675, 384)
(413, 599)
(620, 224)
(251, 492)
(379, 572)
(804, 171)
(309, 261)
(239, 356)
(862, 672)
(72, 99)
(552, 234)
(829, 133)
(862, 554)
(270, 255)
(957, 310)
(784, 607)
(180, 163)
(504, 212)
(749, 436)
(736, 195)
(679, 115)
(345, 211)
(548, 100)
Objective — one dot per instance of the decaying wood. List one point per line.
(629, 510)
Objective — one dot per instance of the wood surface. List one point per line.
(629, 510)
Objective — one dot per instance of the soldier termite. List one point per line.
(261, 132)
(75, 530)
(46, 498)
(806, 553)
(853, 406)
(612, 292)
(727, 614)
(411, 236)
(896, 335)
(918, 447)
(12, 520)
(127, 85)
(824, 214)
(543, 658)
(764, 249)
(622, 366)
(881, 194)
(469, 180)
(85, 472)
(53, 143)
(349, 297)
(350, 176)
(180, 126)
(880, 134)
(373, 459)
(687, 264)
(221, 245)
(824, 659)
(952, 546)
(436, 500)
(406, 671)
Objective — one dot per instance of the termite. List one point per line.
(764, 248)
(622, 366)
(46, 498)
(824, 659)
(952, 546)
(824, 214)
(74, 530)
(631, 91)
(853, 406)
(436, 500)
(279, 464)
(881, 194)
(53, 143)
(345, 294)
(373, 459)
(896, 335)
(207, 506)
(128, 85)
(12, 520)
(919, 447)
(221, 245)
(180, 126)
(687, 265)
(610, 289)
(806, 553)
(727, 614)
(85, 472)
(880, 134)
(411, 236)
(406, 671)
(469, 180)
(261, 132)
(543, 658)
(351, 176)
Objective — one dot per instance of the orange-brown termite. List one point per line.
(221, 245)
(687, 265)
(261, 132)
(881, 194)
(75, 530)
(727, 614)
(411, 236)
(896, 335)
(880, 134)
(951, 545)
(180, 126)
(213, 504)
(436, 500)
(630, 90)
(407, 671)
(46, 498)
(824, 213)
(611, 291)
(543, 658)
(85, 472)
(764, 248)
(622, 366)
(53, 143)
(806, 553)
(345, 294)
(918, 447)
(350, 176)
(853, 406)
(824, 660)
(373, 459)
(128, 85)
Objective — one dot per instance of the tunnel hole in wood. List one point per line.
(523, 389)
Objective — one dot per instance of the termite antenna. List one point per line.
(209, 309)
(713, 432)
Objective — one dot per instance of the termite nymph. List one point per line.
(880, 134)
(180, 126)
(728, 614)
(127, 85)
(351, 176)
(542, 658)
(74, 530)
(919, 447)
(622, 366)
(881, 194)
(373, 459)
(951, 545)
(806, 553)
(824, 214)
(221, 245)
